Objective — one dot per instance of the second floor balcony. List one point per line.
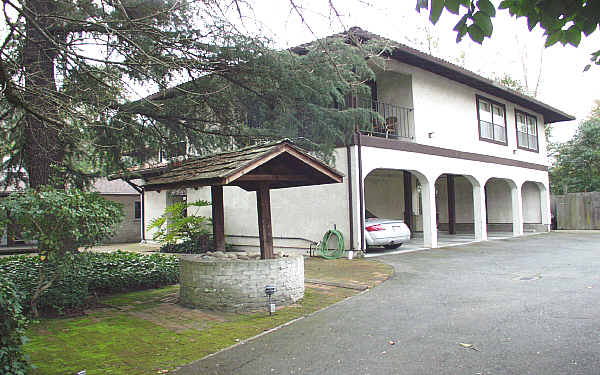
(380, 119)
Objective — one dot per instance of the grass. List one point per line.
(147, 332)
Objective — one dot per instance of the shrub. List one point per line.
(61, 221)
(200, 245)
(177, 223)
(82, 276)
(12, 330)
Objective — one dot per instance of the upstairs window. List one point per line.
(492, 121)
(527, 138)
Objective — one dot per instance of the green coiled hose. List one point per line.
(336, 253)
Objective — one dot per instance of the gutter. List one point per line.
(140, 190)
(350, 203)
(361, 195)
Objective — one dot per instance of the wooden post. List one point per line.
(451, 204)
(218, 217)
(265, 231)
(408, 209)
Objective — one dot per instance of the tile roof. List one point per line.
(411, 56)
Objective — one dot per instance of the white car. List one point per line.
(386, 232)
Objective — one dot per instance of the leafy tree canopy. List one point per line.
(562, 21)
(73, 78)
(577, 162)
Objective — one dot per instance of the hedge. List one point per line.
(85, 275)
(12, 330)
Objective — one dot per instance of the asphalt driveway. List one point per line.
(527, 306)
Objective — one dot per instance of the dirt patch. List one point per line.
(356, 271)
(178, 318)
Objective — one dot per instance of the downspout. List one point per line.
(143, 216)
(361, 196)
(350, 203)
(140, 190)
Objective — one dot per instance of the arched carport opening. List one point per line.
(455, 208)
(500, 207)
(395, 194)
(534, 196)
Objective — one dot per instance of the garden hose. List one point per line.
(332, 253)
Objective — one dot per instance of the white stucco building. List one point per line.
(457, 153)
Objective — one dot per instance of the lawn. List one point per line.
(148, 332)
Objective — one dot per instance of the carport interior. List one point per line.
(465, 210)
(394, 194)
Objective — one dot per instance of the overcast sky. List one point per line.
(512, 48)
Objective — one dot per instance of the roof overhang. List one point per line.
(448, 70)
(278, 165)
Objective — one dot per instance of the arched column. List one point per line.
(545, 204)
(479, 209)
(430, 237)
(517, 207)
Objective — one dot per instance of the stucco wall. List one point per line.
(499, 206)
(463, 195)
(532, 210)
(384, 194)
(299, 212)
(130, 228)
(155, 203)
(448, 110)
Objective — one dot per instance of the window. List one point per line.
(137, 210)
(492, 121)
(527, 138)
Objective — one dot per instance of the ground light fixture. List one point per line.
(269, 291)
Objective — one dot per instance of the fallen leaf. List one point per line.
(468, 346)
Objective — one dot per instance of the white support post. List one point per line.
(479, 212)
(517, 210)
(429, 215)
(545, 205)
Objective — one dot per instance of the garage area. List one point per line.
(397, 195)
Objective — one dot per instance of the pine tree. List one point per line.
(74, 77)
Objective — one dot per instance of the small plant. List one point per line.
(12, 330)
(175, 225)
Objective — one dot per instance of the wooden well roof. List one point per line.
(279, 164)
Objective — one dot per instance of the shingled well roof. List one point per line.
(282, 163)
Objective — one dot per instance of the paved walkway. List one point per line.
(444, 239)
(528, 305)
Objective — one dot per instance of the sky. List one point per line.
(512, 50)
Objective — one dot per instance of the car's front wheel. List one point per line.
(392, 246)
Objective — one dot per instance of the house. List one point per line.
(457, 153)
(117, 191)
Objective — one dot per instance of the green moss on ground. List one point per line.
(145, 332)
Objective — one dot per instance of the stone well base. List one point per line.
(239, 285)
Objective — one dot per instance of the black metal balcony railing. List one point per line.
(383, 120)
(370, 117)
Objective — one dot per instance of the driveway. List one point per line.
(527, 306)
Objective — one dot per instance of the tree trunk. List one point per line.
(44, 147)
